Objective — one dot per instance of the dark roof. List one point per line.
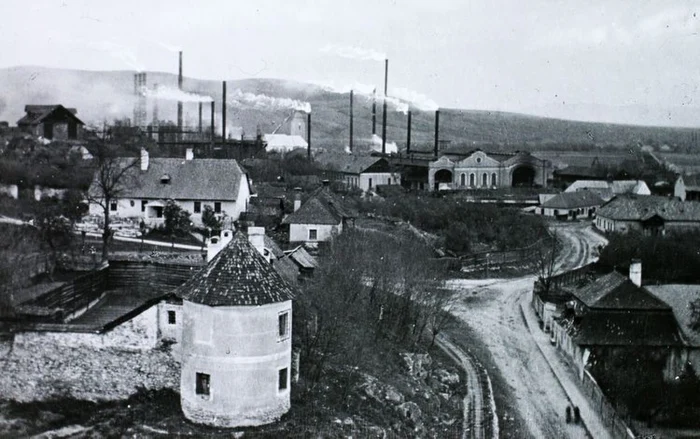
(302, 258)
(679, 298)
(271, 245)
(582, 171)
(626, 328)
(322, 207)
(573, 200)
(346, 163)
(691, 182)
(643, 207)
(37, 113)
(238, 276)
(196, 179)
(616, 291)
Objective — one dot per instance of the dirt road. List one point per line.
(492, 308)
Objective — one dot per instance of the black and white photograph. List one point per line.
(350, 219)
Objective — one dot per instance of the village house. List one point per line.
(608, 189)
(571, 205)
(481, 170)
(613, 315)
(189, 182)
(687, 187)
(651, 214)
(322, 216)
(358, 171)
(54, 122)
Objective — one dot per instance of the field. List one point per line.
(686, 163)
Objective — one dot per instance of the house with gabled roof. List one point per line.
(191, 183)
(359, 171)
(687, 187)
(322, 216)
(571, 205)
(650, 214)
(54, 122)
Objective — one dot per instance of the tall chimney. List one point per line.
(386, 82)
(437, 131)
(408, 133)
(200, 116)
(223, 111)
(213, 127)
(155, 107)
(179, 103)
(256, 236)
(351, 116)
(144, 159)
(636, 272)
(374, 112)
(308, 135)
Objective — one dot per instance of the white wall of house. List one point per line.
(324, 232)
(581, 213)
(370, 180)
(167, 328)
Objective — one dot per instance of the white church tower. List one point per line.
(236, 339)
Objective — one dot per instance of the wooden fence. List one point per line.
(496, 259)
(608, 414)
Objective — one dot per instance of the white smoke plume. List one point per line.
(262, 101)
(418, 100)
(168, 47)
(390, 147)
(175, 94)
(353, 52)
(348, 150)
(399, 99)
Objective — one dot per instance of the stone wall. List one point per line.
(89, 366)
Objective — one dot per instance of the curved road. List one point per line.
(492, 308)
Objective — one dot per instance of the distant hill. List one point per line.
(108, 95)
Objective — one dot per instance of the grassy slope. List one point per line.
(109, 95)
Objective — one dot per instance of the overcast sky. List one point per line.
(625, 61)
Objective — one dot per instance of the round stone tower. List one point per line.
(236, 339)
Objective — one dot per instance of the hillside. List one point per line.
(101, 96)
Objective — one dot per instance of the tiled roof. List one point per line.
(679, 298)
(626, 329)
(271, 245)
(573, 200)
(322, 207)
(616, 291)
(346, 163)
(37, 113)
(302, 258)
(692, 182)
(643, 207)
(237, 276)
(196, 179)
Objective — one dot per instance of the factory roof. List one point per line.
(284, 142)
(238, 276)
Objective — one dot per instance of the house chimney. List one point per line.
(223, 111)
(386, 82)
(179, 103)
(256, 236)
(408, 133)
(437, 131)
(297, 198)
(636, 272)
(144, 159)
(308, 135)
(217, 243)
(189, 154)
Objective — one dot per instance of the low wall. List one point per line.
(605, 409)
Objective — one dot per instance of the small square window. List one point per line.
(203, 381)
(282, 379)
(217, 207)
(313, 234)
(283, 325)
(172, 318)
(113, 206)
(197, 207)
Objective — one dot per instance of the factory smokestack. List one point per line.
(223, 111)
(386, 82)
(308, 135)
(212, 127)
(200, 116)
(155, 121)
(374, 112)
(408, 133)
(437, 131)
(179, 103)
(351, 118)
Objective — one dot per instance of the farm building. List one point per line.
(481, 170)
(363, 172)
(571, 205)
(54, 122)
(650, 214)
(191, 183)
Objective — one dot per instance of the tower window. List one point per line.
(171, 318)
(203, 381)
(283, 325)
(282, 379)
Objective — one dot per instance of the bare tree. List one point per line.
(546, 256)
(113, 178)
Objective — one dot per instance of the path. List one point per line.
(492, 308)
